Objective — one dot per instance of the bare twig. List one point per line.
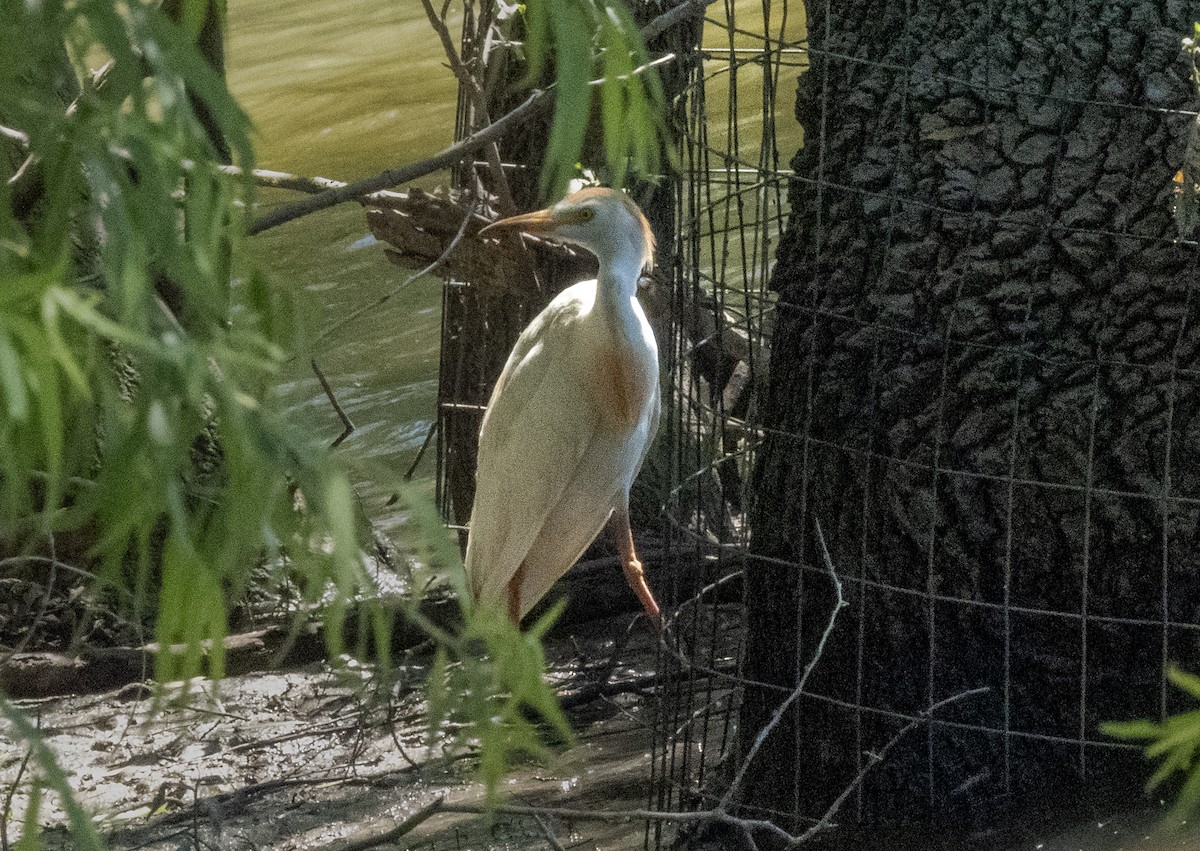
(878, 756)
(394, 177)
(347, 424)
(10, 794)
(623, 816)
(405, 827)
(551, 839)
(383, 299)
(18, 136)
(478, 102)
(433, 427)
(668, 19)
(536, 102)
(777, 717)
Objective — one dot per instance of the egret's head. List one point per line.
(605, 222)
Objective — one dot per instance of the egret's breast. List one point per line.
(626, 382)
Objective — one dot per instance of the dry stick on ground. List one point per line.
(717, 815)
(405, 827)
(555, 845)
(10, 794)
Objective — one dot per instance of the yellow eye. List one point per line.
(587, 214)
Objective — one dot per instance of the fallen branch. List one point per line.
(405, 827)
(396, 176)
(593, 588)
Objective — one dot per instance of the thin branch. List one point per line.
(623, 816)
(383, 299)
(412, 469)
(777, 717)
(394, 177)
(478, 102)
(347, 424)
(18, 136)
(537, 101)
(686, 9)
(280, 179)
(551, 839)
(12, 791)
(405, 827)
(43, 607)
(878, 756)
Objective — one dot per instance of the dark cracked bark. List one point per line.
(984, 385)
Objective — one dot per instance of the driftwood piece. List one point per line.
(423, 230)
(594, 589)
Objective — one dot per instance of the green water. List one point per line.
(345, 90)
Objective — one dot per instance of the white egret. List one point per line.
(571, 417)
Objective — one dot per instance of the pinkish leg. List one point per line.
(618, 524)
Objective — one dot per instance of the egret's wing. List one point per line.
(599, 483)
(655, 417)
(536, 429)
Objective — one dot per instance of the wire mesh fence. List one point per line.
(982, 337)
(974, 365)
(736, 134)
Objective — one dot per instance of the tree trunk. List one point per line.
(984, 387)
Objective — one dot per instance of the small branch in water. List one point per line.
(347, 425)
(433, 427)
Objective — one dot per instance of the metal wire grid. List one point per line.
(698, 695)
(730, 208)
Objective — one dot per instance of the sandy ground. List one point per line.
(305, 759)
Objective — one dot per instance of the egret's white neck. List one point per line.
(618, 278)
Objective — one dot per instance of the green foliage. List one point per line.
(114, 393)
(138, 349)
(1176, 742)
(588, 38)
(488, 680)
